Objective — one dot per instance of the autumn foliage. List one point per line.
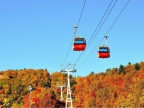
(117, 87)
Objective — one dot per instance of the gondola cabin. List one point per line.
(103, 52)
(79, 44)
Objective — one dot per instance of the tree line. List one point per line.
(117, 87)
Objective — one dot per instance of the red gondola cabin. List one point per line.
(103, 52)
(79, 44)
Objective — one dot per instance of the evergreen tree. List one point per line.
(92, 73)
(129, 63)
(137, 66)
(121, 69)
(108, 69)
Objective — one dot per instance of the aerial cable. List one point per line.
(90, 53)
(75, 27)
(118, 17)
(104, 20)
(106, 32)
(80, 15)
(80, 56)
(99, 23)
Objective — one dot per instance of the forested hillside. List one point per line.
(117, 87)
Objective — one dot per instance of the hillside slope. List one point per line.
(117, 87)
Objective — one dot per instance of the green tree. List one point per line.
(109, 69)
(121, 69)
(137, 66)
(129, 63)
(92, 73)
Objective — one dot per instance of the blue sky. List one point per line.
(37, 34)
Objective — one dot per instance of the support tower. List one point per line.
(68, 96)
